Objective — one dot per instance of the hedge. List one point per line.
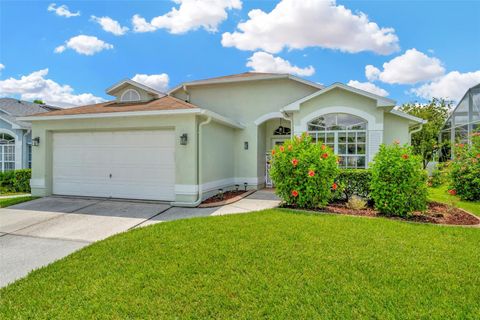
(15, 180)
(355, 182)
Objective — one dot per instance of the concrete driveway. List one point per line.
(36, 233)
(39, 232)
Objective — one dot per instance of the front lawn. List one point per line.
(269, 264)
(440, 194)
(7, 202)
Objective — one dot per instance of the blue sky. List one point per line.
(429, 48)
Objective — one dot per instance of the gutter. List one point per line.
(199, 169)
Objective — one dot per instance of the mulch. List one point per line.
(436, 213)
(226, 196)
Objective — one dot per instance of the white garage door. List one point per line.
(119, 164)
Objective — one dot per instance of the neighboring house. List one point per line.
(203, 135)
(461, 123)
(15, 135)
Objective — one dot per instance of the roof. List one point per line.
(166, 105)
(381, 101)
(246, 76)
(11, 108)
(111, 90)
(163, 103)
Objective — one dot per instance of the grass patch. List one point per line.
(440, 194)
(12, 201)
(269, 264)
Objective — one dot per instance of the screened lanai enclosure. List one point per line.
(462, 122)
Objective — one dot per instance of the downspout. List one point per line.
(420, 127)
(199, 168)
(25, 148)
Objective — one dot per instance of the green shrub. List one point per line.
(436, 178)
(398, 185)
(15, 180)
(356, 203)
(355, 182)
(303, 172)
(465, 170)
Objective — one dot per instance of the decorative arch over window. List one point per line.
(346, 134)
(7, 152)
(130, 95)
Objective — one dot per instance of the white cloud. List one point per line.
(36, 86)
(411, 67)
(110, 25)
(372, 72)
(316, 23)
(62, 11)
(155, 81)
(82, 44)
(2, 66)
(367, 86)
(190, 15)
(451, 86)
(265, 62)
(141, 25)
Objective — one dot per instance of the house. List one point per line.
(203, 135)
(15, 135)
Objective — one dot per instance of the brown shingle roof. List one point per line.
(163, 103)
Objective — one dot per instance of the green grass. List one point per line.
(271, 264)
(12, 201)
(440, 194)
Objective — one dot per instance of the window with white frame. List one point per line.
(29, 155)
(346, 134)
(7, 152)
(130, 95)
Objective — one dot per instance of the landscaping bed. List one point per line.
(437, 213)
(227, 198)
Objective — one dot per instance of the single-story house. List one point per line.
(15, 135)
(203, 135)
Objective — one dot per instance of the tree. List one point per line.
(38, 101)
(425, 142)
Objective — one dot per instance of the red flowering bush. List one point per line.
(465, 170)
(398, 185)
(304, 172)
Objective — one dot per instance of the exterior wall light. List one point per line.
(245, 145)
(36, 141)
(184, 139)
(245, 185)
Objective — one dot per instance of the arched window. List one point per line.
(130, 95)
(346, 134)
(7, 152)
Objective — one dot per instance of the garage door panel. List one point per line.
(141, 164)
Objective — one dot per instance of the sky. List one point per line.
(67, 53)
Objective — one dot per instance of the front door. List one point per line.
(268, 158)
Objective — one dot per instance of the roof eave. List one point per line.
(251, 78)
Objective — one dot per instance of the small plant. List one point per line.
(355, 182)
(398, 185)
(465, 170)
(435, 179)
(356, 203)
(304, 172)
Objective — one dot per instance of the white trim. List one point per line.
(215, 116)
(135, 84)
(381, 101)
(269, 116)
(253, 77)
(372, 124)
(407, 116)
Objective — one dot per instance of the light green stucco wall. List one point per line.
(246, 102)
(395, 128)
(185, 156)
